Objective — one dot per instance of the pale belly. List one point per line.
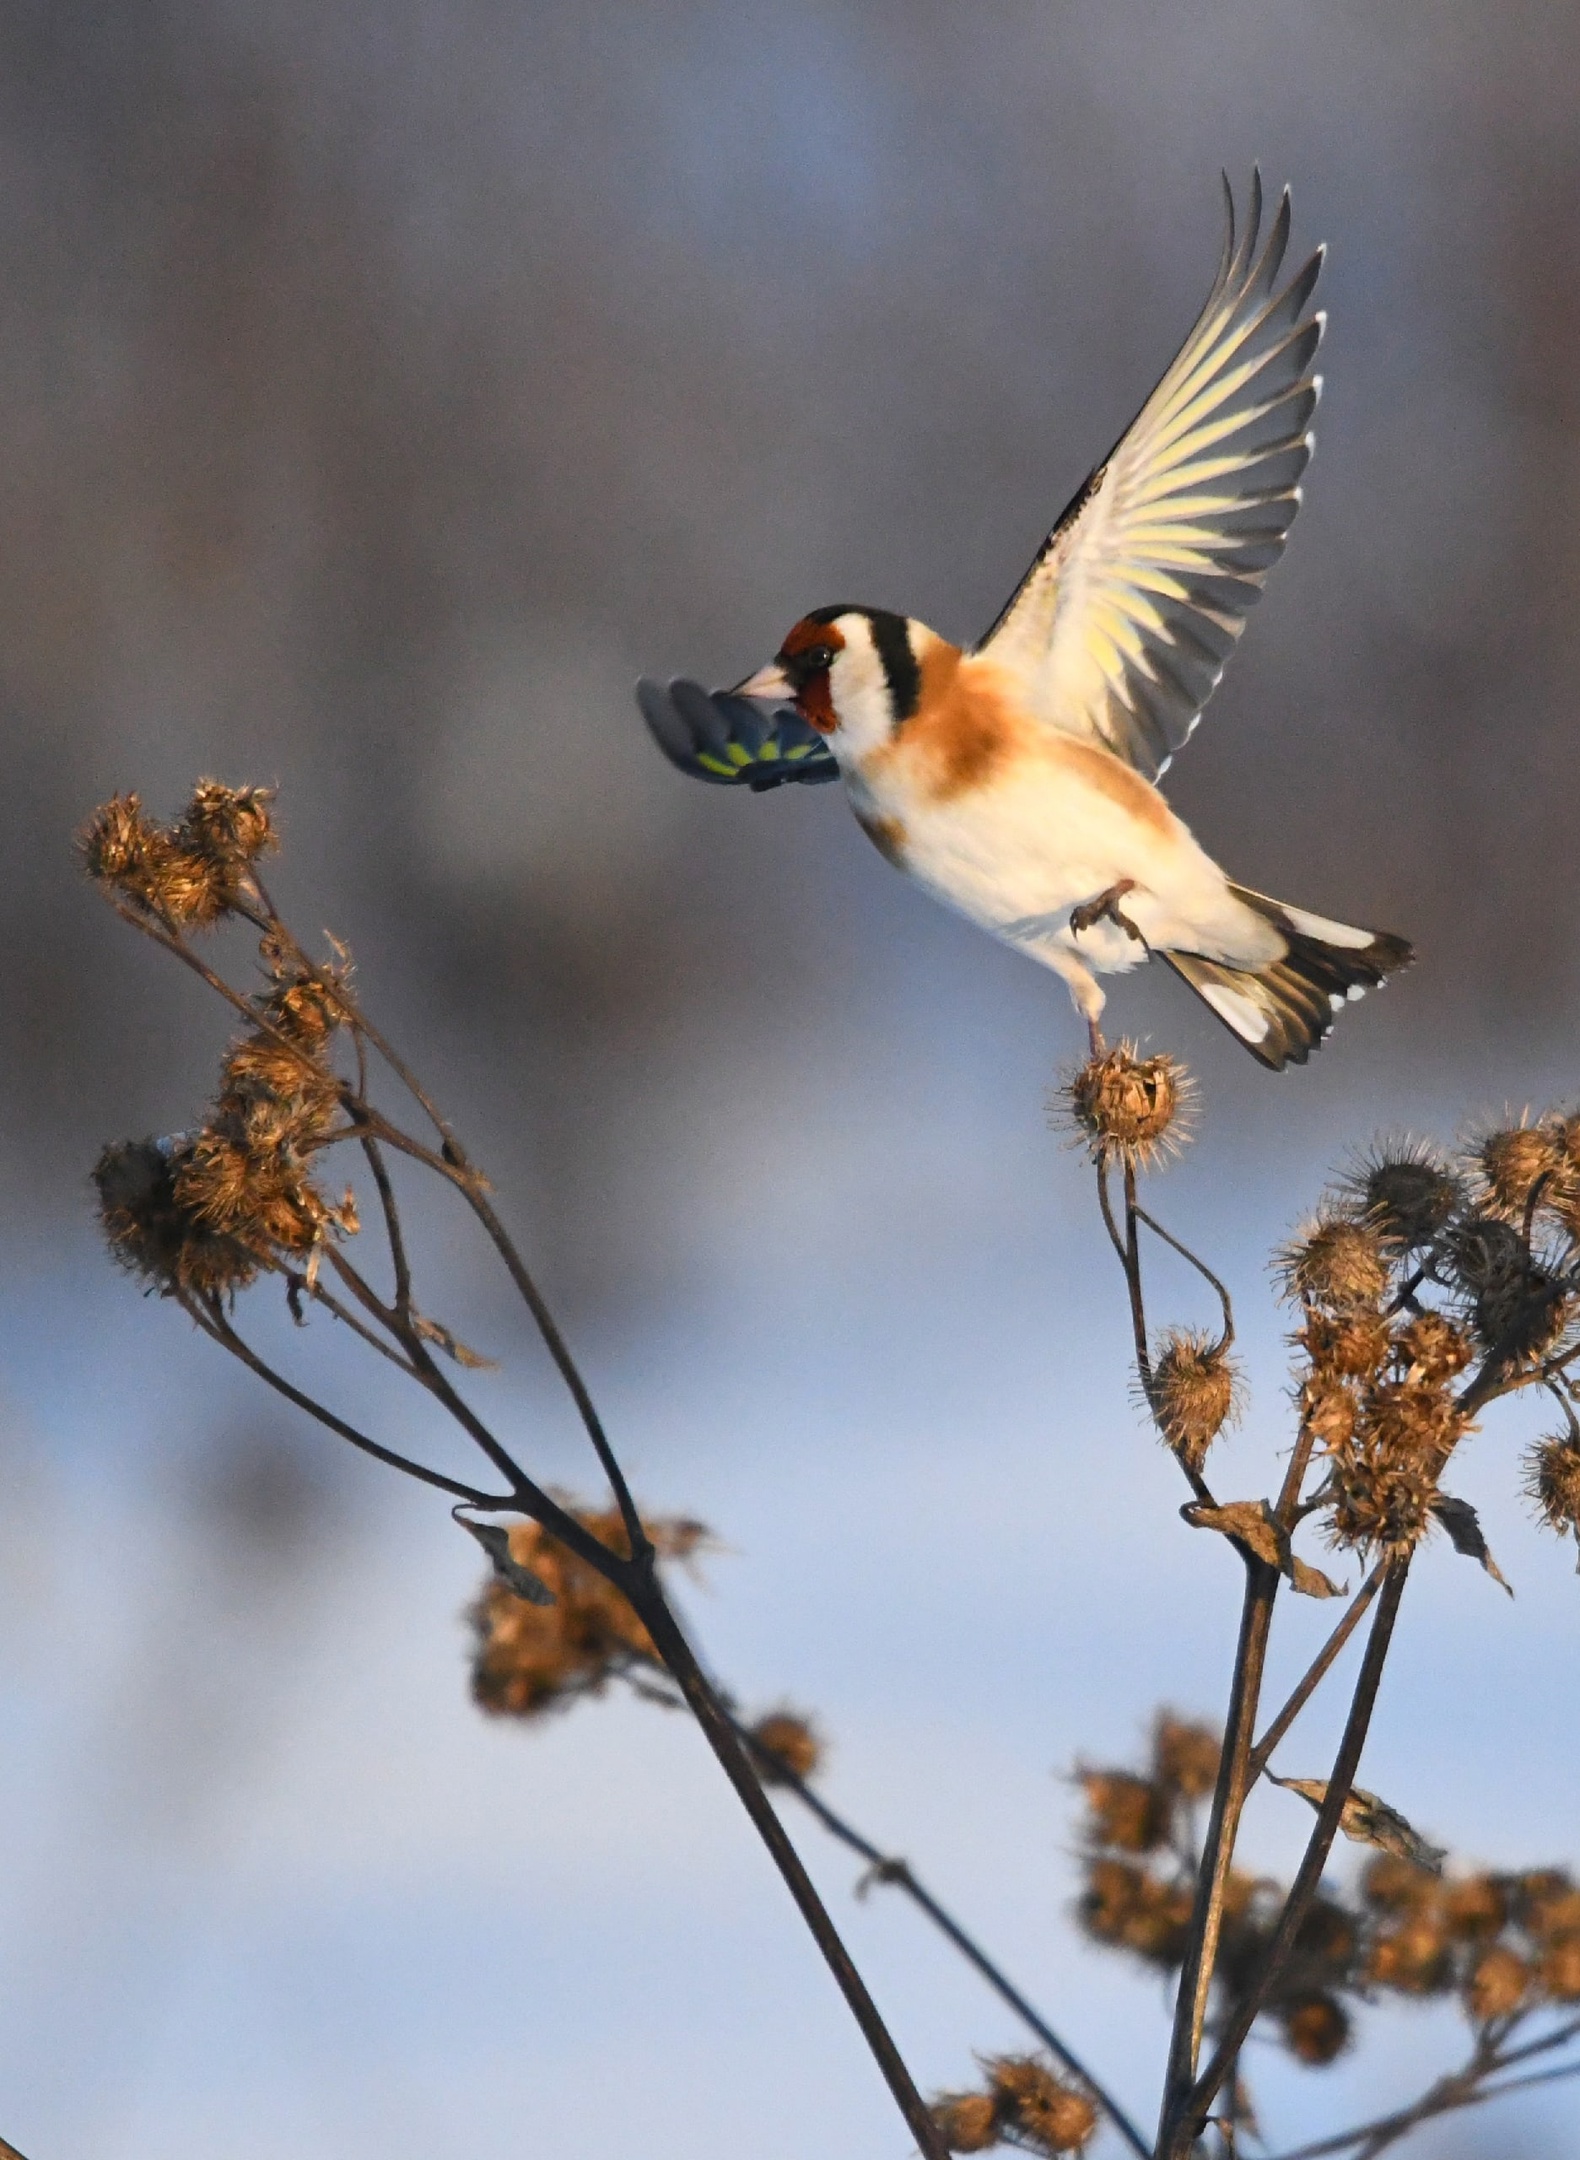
(1017, 857)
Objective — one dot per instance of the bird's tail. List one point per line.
(1282, 1012)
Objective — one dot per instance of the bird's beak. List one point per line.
(770, 683)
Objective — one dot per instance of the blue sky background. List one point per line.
(387, 388)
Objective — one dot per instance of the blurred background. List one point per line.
(385, 388)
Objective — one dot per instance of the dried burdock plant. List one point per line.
(1121, 1105)
(209, 1214)
(1425, 1296)
(1194, 1391)
(1426, 1293)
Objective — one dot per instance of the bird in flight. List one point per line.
(1016, 779)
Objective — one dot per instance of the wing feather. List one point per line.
(730, 740)
(1121, 628)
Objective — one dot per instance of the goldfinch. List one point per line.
(1015, 779)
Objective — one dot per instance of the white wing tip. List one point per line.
(1241, 1011)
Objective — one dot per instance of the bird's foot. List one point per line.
(1106, 908)
(1094, 1037)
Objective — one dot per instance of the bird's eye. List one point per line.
(817, 660)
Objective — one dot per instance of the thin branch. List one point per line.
(300, 1286)
(897, 1873)
(392, 1224)
(569, 1371)
(1193, 2115)
(1465, 2087)
(1316, 1672)
(213, 1323)
(1199, 1265)
(1128, 1250)
(1212, 1880)
(656, 1614)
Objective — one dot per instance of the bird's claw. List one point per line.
(1106, 908)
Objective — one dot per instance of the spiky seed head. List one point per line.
(1496, 1984)
(1409, 1422)
(1475, 1908)
(153, 1233)
(188, 874)
(1316, 2028)
(233, 825)
(1349, 1345)
(1484, 1251)
(1520, 1319)
(1517, 1307)
(1431, 1349)
(1378, 1503)
(1559, 1971)
(530, 1659)
(1044, 2111)
(114, 843)
(1392, 1885)
(1412, 1957)
(1195, 1392)
(786, 1742)
(1185, 1756)
(1330, 1409)
(1128, 1106)
(967, 2122)
(1338, 1263)
(1124, 1812)
(259, 1070)
(1405, 1188)
(1131, 1910)
(1512, 1160)
(1546, 1903)
(1552, 1479)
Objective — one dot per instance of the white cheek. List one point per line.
(861, 699)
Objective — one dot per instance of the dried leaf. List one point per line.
(495, 1541)
(1369, 1821)
(1253, 1524)
(1311, 1582)
(435, 1331)
(1463, 1525)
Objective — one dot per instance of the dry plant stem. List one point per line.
(211, 1319)
(635, 1576)
(565, 1364)
(1187, 2124)
(1197, 1263)
(8, 2152)
(1261, 1589)
(1223, 1823)
(1129, 1251)
(1316, 1672)
(885, 1868)
(1461, 2088)
(392, 1223)
(669, 1639)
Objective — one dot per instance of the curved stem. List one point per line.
(566, 1365)
(898, 1873)
(218, 1329)
(1228, 1803)
(658, 1618)
(1199, 1265)
(1186, 2127)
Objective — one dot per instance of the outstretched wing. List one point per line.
(1121, 627)
(731, 740)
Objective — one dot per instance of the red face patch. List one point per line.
(806, 656)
